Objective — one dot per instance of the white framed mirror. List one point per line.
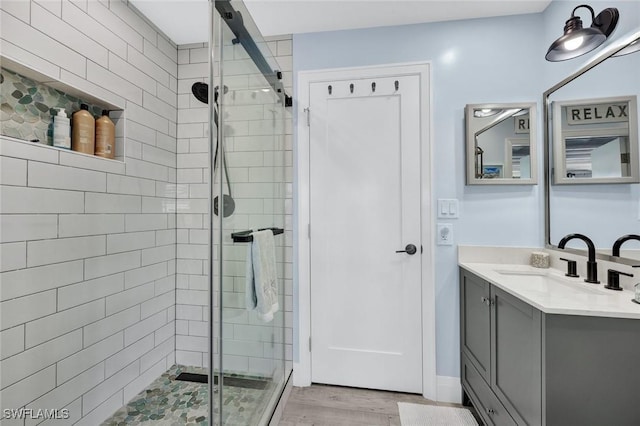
(501, 144)
(595, 140)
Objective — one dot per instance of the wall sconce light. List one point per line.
(577, 40)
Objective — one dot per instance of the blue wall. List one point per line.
(472, 61)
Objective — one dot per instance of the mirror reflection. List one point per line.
(605, 210)
(500, 143)
(596, 141)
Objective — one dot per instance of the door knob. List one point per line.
(409, 249)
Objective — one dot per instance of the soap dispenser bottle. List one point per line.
(61, 130)
(105, 136)
(83, 138)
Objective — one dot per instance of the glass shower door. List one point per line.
(249, 192)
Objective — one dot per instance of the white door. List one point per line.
(366, 323)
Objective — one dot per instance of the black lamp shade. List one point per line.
(574, 44)
(577, 40)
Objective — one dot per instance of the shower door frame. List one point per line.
(302, 368)
(217, 22)
(215, 135)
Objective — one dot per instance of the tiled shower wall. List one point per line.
(253, 155)
(192, 197)
(88, 245)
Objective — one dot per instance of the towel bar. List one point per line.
(246, 237)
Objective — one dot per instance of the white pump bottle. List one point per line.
(62, 130)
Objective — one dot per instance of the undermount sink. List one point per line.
(519, 272)
(542, 281)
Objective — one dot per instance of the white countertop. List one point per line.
(550, 291)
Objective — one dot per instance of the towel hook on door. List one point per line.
(397, 84)
(373, 86)
(330, 89)
(351, 87)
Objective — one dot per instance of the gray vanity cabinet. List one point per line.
(475, 323)
(520, 366)
(500, 341)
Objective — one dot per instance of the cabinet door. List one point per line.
(516, 375)
(475, 322)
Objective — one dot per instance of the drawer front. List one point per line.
(483, 398)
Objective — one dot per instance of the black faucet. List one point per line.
(592, 266)
(616, 246)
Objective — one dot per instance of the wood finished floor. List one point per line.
(323, 405)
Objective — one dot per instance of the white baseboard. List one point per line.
(301, 378)
(449, 389)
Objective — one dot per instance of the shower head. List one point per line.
(201, 92)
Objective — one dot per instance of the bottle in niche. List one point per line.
(83, 137)
(105, 136)
(49, 140)
(61, 130)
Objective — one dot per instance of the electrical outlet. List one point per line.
(445, 234)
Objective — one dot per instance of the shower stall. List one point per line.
(125, 284)
(240, 374)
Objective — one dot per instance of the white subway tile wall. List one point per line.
(262, 192)
(88, 245)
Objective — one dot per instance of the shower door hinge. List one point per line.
(306, 111)
(309, 231)
(309, 343)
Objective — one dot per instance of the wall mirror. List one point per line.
(595, 140)
(603, 210)
(501, 144)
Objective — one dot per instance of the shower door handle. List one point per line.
(409, 249)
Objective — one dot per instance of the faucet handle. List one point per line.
(572, 269)
(613, 279)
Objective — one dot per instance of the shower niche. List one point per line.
(29, 101)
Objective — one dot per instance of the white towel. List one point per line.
(261, 276)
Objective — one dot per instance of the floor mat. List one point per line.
(432, 415)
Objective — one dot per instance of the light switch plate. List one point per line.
(448, 208)
(444, 234)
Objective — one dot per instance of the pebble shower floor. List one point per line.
(171, 402)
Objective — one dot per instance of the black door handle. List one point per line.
(409, 249)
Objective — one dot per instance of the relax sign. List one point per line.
(598, 113)
(521, 123)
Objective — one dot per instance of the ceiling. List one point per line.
(186, 21)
